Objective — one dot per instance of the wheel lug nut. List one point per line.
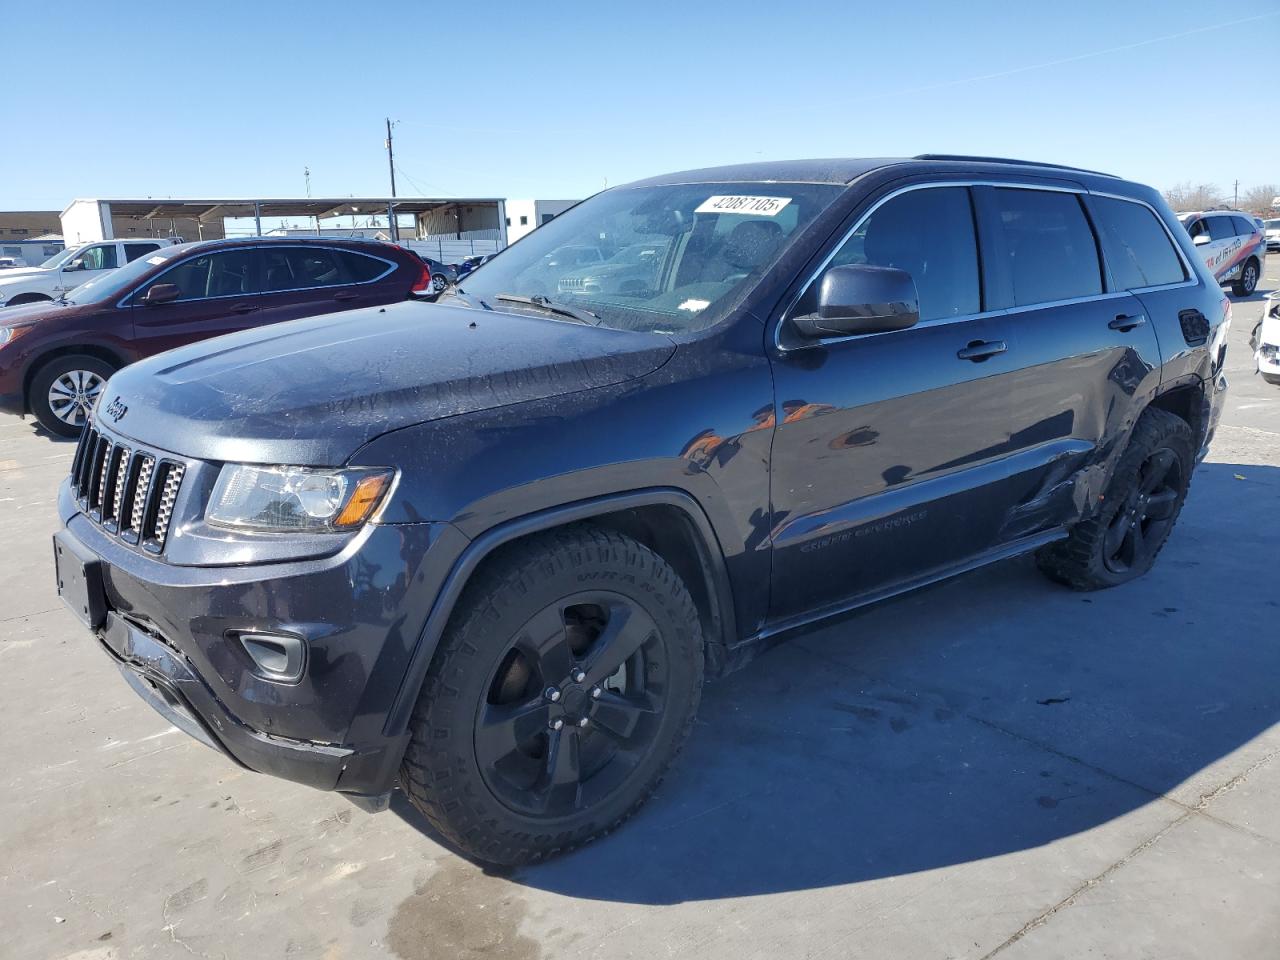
(578, 676)
(583, 722)
(595, 693)
(557, 723)
(552, 694)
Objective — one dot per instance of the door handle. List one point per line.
(1125, 323)
(243, 308)
(979, 350)
(345, 295)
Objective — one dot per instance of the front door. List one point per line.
(94, 260)
(220, 292)
(886, 444)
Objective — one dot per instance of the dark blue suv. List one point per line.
(490, 547)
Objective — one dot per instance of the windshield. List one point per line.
(665, 258)
(58, 259)
(1272, 224)
(114, 282)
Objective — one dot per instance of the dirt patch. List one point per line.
(461, 913)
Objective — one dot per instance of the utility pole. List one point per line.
(391, 207)
(1235, 195)
(306, 173)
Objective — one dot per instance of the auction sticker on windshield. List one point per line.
(756, 206)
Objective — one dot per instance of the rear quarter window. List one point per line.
(1138, 250)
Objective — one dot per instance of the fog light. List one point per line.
(275, 656)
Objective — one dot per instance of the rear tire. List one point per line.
(1139, 509)
(63, 391)
(532, 643)
(1247, 282)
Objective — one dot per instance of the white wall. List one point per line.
(85, 221)
(535, 214)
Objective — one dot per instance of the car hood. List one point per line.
(22, 273)
(29, 312)
(313, 391)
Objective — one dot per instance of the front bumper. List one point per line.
(172, 631)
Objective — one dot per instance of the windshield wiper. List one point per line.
(546, 304)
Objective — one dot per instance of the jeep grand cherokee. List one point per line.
(491, 547)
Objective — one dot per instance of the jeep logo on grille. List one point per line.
(116, 410)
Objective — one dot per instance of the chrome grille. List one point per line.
(171, 480)
(141, 488)
(118, 484)
(128, 492)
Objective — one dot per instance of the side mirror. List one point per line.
(861, 298)
(1200, 239)
(73, 265)
(160, 293)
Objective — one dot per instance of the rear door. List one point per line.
(886, 445)
(219, 294)
(305, 281)
(1086, 352)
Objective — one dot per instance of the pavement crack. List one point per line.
(1089, 884)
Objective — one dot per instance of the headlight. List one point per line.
(297, 498)
(8, 334)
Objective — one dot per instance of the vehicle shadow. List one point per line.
(993, 714)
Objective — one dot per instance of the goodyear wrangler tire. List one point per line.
(564, 686)
(1139, 509)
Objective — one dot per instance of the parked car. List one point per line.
(442, 274)
(55, 357)
(1231, 245)
(71, 268)
(11, 263)
(470, 263)
(491, 546)
(1266, 340)
(634, 268)
(1271, 232)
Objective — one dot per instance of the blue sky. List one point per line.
(557, 99)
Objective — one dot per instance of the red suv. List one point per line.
(55, 357)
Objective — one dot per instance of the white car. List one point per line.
(1231, 245)
(1266, 340)
(1271, 229)
(69, 269)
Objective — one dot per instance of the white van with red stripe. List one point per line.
(1232, 246)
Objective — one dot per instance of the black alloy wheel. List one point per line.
(573, 707)
(1143, 522)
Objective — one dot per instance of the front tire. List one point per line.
(29, 298)
(563, 687)
(1247, 282)
(63, 391)
(1272, 378)
(1140, 507)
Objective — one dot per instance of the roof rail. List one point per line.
(1016, 163)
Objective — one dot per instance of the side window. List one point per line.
(929, 233)
(1051, 250)
(132, 251)
(99, 258)
(361, 269)
(1138, 250)
(1220, 228)
(1244, 227)
(1198, 229)
(230, 273)
(316, 267)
